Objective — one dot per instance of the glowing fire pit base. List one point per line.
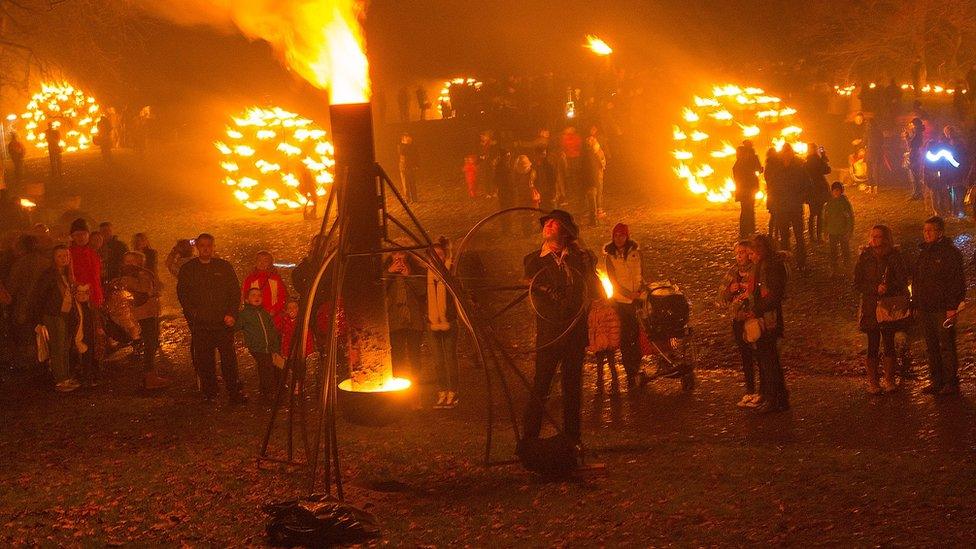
(376, 408)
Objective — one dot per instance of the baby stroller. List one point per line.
(664, 315)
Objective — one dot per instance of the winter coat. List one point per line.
(559, 287)
(49, 297)
(406, 301)
(286, 327)
(24, 274)
(870, 271)
(796, 185)
(819, 192)
(273, 289)
(938, 280)
(738, 275)
(111, 254)
(623, 269)
(523, 181)
(145, 290)
(208, 292)
(775, 188)
(260, 333)
(768, 295)
(745, 174)
(594, 164)
(87, 268)
(441, 311)
(838, 216)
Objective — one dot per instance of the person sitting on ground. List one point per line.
(881, 276)
(265, 277)
(736, 291)
(262, 340)
(838, 218)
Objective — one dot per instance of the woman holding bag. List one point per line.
(881, 276)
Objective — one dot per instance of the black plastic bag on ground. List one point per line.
(555, 457)
(319, 520)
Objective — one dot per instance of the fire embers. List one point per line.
(276, 160)
(68, 109)
(710, 128)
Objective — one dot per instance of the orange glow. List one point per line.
(605, 282)
(712, 127)
(70, 110)
(267, 153)
(27, 203)
(597, 46)
(390, 384)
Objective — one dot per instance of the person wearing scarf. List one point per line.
(441, 315)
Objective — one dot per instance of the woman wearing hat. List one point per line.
(623, 262)
(562, 280)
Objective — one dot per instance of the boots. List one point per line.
(872, 368)
(888, 383)
(152, 381)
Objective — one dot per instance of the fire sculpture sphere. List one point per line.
(713, 126)
(276, 160)
(70, 111)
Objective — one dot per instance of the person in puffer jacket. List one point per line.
(623, 262)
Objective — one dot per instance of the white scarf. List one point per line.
(437, 302)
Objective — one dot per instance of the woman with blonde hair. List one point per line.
(52, 303)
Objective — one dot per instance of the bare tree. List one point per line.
(873, 38)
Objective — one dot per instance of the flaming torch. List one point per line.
(605, 282)
(68, 109)
(597, 46)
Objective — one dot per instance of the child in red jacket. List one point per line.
(266, 278)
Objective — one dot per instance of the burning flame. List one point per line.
(69, 109)
(390, 384)
(268, 153)
(444, 98)
(27, 203)
(712, 124)
(605, 282)
(597, 46)
(321, 40)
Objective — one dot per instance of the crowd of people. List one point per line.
(71, 302)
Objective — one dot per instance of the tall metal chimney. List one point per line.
(363, 292)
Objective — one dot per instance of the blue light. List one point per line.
(942, 154)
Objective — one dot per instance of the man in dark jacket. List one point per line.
(796, 185)
(111, 252)
(562, 279)
(209, 292)
(938, 288)
(745, 173)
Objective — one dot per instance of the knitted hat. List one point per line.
(621, 228)
(79, 225)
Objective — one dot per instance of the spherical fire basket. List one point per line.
(379, 407)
